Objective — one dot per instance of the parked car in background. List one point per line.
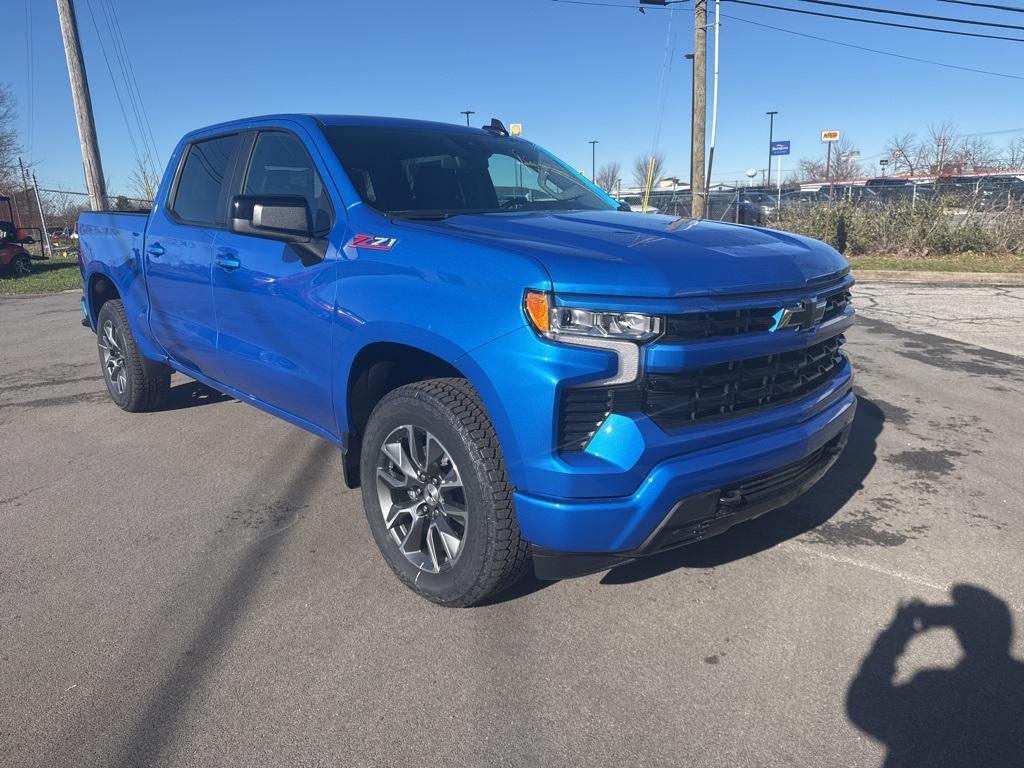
(756, 207)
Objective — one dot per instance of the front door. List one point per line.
(275, 301)
(179, 256)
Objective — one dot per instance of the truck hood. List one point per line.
(632, 254)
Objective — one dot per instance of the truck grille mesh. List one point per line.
(700, 395)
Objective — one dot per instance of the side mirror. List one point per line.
(277, 217)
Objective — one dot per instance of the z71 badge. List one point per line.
(373, 242)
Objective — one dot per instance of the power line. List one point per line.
(876, 22)
(113, 81)
(876, 50)
(133, 83)
(930, 17)
(637, 7)
(30, 54)
(985, 5)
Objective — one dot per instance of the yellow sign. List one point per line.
(830, 135)
(516, 129)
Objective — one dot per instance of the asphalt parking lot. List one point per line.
(195, 587)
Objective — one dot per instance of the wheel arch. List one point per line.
(377, 369)
(100, 289)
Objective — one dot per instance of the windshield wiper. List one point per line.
(424, 215)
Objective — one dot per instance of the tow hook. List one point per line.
(731, 499)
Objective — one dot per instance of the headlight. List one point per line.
(618, 332)
(555, 322)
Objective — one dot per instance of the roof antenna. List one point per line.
(497, 128)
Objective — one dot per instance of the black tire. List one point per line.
(492, 553)
(21, 265)
(136, 384)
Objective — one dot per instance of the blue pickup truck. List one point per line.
(519, 373)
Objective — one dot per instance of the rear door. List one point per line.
(179, 254)
(275, 301)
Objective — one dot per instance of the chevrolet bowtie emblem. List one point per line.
(804, 315)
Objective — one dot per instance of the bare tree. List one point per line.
(941, 148)
(642, 169)
(608, 176)
(1013, 159)
(8, 139)
(844, 166)
(905, 152)
(144, 180)
(977, 153)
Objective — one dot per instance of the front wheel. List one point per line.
(437, 495)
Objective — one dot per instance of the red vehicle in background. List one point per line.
(13, 256)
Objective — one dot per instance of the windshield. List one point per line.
(435, 173)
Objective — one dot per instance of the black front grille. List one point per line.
(836, 304)
(673, 400)
(699, 326)
(703, 394)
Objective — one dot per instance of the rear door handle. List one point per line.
(155, 250)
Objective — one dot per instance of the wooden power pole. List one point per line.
(700, 102)
(83, 106)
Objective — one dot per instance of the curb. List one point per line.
(938, 278)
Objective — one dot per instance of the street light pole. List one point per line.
(467, 113)
(593, 161)
(771, 139)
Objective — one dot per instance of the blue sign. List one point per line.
(780, 148)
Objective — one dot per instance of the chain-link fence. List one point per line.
(56, 212)
(982, 214)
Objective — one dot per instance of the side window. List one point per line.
(280, 165)
(198, 197)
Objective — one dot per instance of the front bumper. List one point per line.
(702, 515)
(688, 489)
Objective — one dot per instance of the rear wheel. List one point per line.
(437, 495)
(21, 265)
(134, 383)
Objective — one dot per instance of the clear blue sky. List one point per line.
(569, 73)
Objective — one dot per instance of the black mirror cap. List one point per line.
(278, 217)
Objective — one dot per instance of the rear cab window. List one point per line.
(200, 194)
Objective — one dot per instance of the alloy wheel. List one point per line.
(111, 348)
(422, 498)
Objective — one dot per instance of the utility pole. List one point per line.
(83, 106)
(24, 188)
(42, 219)
(467, 113)
(714, 108)
(593, 161)
(700, 102)
(771, 140)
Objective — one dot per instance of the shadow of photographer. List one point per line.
(970, 715)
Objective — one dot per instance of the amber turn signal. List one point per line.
(538, 309)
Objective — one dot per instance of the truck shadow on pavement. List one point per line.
(968, 715)
(191, 393)
(809, 511)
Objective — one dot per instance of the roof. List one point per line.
(358, 120)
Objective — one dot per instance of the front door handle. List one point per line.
(156, 250)
(227, 260)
